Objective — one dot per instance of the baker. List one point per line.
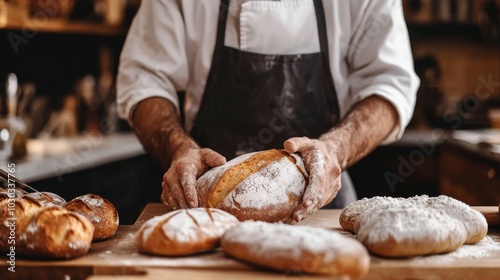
(329, 80)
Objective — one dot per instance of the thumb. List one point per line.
(212, 158)
(295, 144)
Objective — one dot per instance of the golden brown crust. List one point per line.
(16, 213)
(264, 186)
(232, 177)
(56, 233)
(296, 248)
(100, 211)
(184, 232)
(47, 198)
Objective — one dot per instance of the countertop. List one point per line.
(117, 258)
(48, 158)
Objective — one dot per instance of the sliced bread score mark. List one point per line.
(236, 174)
(209, 212)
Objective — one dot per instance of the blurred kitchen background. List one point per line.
(59, 58)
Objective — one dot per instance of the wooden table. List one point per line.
(118, 259)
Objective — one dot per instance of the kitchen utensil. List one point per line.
(10, 178)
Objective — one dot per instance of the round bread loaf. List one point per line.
(56, 233)
(101, 212)
(11, 193)
(351, 213)
(264, 186)
(409, 231)
(47, 198)
(296, 248)
(474, 221)
(184, 232)
(15, 215)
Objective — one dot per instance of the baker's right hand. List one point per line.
(179, 182)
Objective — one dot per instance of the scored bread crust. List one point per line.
(22, 210)
(296, 248)
(47, 198)
(56, 233)
(184, 232)
(100, 211)
(265, 186)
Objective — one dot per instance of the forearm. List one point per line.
(362, 130)
(158, 127)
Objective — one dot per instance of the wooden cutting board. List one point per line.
(118, 259)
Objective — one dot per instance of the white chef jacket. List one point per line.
(170, 44)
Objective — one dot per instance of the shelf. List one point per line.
(65, 27)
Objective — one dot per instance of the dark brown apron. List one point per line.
(255, 101)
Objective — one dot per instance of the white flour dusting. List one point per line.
(276, 241)
(91, 200)
(272, 185)
(409, 224)
(488, 247)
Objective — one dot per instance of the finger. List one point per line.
(178, 194)
(296, 144)
(168, 197)
(188, 181)
(212, 158)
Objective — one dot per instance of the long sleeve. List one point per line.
(153, 62)
(380, 60)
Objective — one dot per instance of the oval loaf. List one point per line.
(184, 232)
(265, 186)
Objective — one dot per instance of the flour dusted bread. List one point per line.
(184, 232)
(419, 225)
(409, 231)
(265, 186)
(43, 232)
(296, 248)
(56, 233)
(47, 198)
(99, 211)
(474, 221)
(16, 213)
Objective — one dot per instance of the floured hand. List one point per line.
(179, 182)
(324, 174)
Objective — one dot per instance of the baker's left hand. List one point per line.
(324, 170)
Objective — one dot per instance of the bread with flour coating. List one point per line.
(47, 198)
(56, 233)
(184, 232)
(100, 211)
(264, 186)
(43, 232)
(296, 248)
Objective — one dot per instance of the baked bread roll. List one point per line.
(56, 233)
(99, 211)
(296, 248)
(184, 232)
(409, 231)
(42, 232)
(47, 198)
(264, 186)
(16, 214)
(11, 193)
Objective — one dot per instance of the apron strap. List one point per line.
(325, 52)
(219, 41)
